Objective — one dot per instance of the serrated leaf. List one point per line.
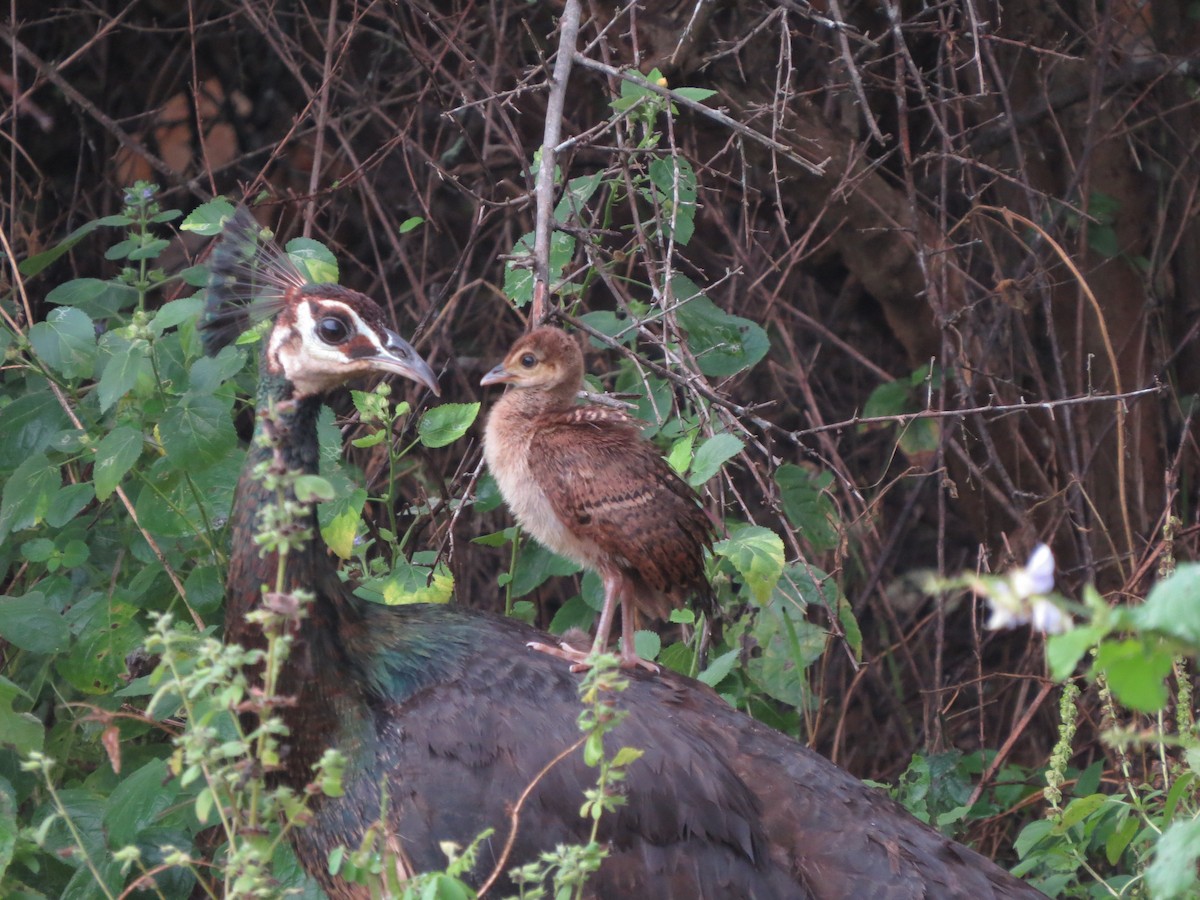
(711, 455)
(341, 527)
(805, 497)
(125, 364)
(676, 182)
(107, 633)
(1171, 606)
(518, 276)
(138, 801)
(723, 344)
(68, 503)
(314, 258)
(757, 555)
(176, 312)
(27, 494)
(627, 755)
(197, 431)
(445, 424)
(647, 644)
(115, 455)
(98, 299)
(30, 424)
(575, 613)
(32, 623)
(1173, 872)
(208, 218)
(209, 372)
(38, 550)
(66, 341)
(1135, 672)
(409, 583)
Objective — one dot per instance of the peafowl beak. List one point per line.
(498, 375)
(399, 357)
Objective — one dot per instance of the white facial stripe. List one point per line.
(309, 363)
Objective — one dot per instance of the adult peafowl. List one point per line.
(445, 716)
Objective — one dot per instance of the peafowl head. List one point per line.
(321, 336)
(547, 359)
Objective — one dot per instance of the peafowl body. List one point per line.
(446, 712)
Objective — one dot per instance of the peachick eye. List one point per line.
(529, 360)
(332, 330)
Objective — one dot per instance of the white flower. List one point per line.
(1018, 598)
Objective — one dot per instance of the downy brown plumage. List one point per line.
(445, 718)
(585, 484)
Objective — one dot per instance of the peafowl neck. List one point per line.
(285, 437)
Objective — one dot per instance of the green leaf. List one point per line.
(757, 555)
(8, 818)
(27, 494)
(68, 502)
(807, 502)
(30, 423)
(723, 344)
(647, 644)
(115, 455)
(38, 550)
(138, 801)
(409, 583)
(578, 191)
(197, 431)
(691, 93)
(676, 181)
(518, 276)
(1171, 606)
(1173, 872)
(148, 250)
(445, 424)
(32, 623)
(536, 564)
(124, 364)
(208, 218)
(889, 399)
(209, 372)
(35, 264)
(66, 342)
(680, 456)
(410, 223)
(340, 521)
(719, 668)
(205, 586)
(99, 299)
(313, 488)
(106, 633)
(575, 613)
(315, 259)
(22, 731)
(1063, 651)
(711, 455)
(176, 312)
(1135, 672)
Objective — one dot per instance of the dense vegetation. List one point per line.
(902, 288)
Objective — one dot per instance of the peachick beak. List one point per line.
(398, 356)
(498, 375)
